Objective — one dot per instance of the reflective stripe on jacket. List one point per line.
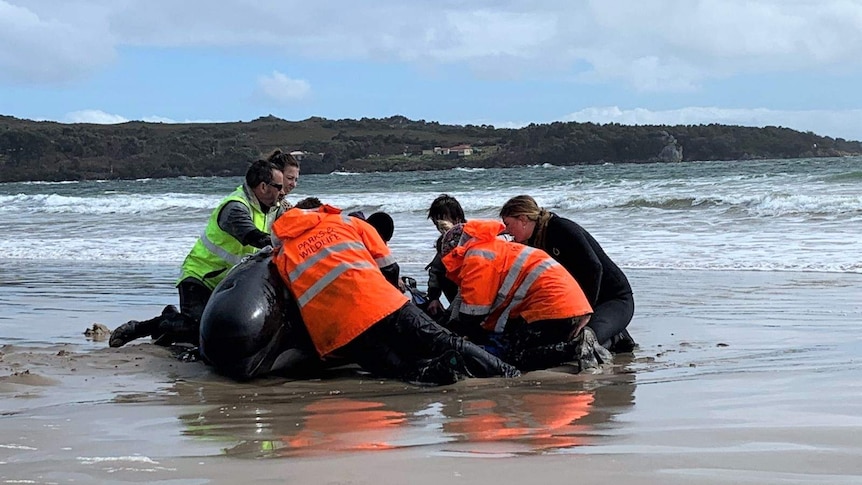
(216, 251)
(331, 263)
(504, 279)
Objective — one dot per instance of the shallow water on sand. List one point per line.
(740, 377)
(747, 281)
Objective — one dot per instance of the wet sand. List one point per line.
(740, 377)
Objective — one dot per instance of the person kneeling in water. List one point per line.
(238, 227)
(606, 286)
(518, 301)
(344, 280)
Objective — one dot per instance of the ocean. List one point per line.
(128, 237)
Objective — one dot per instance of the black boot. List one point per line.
(133, 329)
(175, 327)
(446, 369)
(621, 343)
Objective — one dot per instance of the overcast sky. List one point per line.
(792, 63)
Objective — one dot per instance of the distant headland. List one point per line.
(49, 151)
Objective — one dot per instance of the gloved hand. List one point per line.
(435, 307)
(589, 353)
(262, 253)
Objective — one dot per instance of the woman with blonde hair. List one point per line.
(604, 283)
(289, 166)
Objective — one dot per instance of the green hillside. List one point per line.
(50, 151)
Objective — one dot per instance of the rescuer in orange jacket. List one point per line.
(530, 310)
(345, 282)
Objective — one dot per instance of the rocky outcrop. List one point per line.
(672, 151)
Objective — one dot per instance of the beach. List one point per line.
(740, 377)
(747, 283)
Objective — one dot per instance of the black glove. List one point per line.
(257, 238)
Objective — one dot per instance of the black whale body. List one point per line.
(251, 325)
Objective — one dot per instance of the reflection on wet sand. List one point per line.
(546, 411)
(544, 421)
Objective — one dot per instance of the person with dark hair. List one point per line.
(385, 226)
(445, 212)
(309, 203)
(344, 280)
(604, 283)
(383, 223)
(237, 227)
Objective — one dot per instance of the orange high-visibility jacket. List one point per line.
(504, 279)
(331, 264)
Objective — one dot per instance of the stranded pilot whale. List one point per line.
(251, 325)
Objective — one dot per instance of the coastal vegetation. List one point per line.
(50, 151)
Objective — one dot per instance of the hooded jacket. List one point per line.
(331, 263)
(504, 279)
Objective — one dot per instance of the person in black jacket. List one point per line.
(606, 286)
(445, 212)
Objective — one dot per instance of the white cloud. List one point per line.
(282, 89)
(45, 48)
(94, 116)
(691, 42)
(158, 119)
(166, 120)
(655, 45)
(99, 117)
(837, 124)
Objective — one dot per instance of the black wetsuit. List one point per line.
(604, 283)
(438, 283)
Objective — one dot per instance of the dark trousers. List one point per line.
(183, 327)
(193, 298)
(397, 344)
(609, 321)
(533, 346)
